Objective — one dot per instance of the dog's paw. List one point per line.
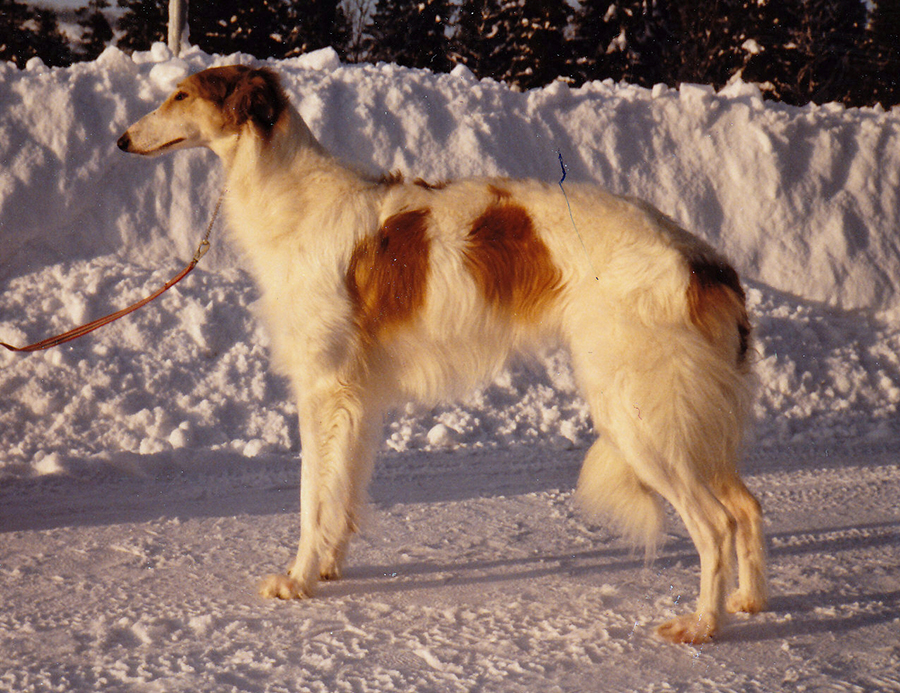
(741, 602)
(329, 572)
(690, 629)
(282, 587)
(331, 563)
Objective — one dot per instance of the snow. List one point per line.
(149, 473)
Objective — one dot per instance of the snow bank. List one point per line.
(806, 201)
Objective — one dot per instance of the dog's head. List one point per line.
(208, 108)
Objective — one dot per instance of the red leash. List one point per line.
(100, 322)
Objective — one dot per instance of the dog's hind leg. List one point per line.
(708, 521)
(712, 529)
(751, 594)
(657, 400)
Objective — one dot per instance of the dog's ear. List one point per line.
(258, 98)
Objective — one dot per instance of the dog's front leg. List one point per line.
(337, 434)
(300, 580)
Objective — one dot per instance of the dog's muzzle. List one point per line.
(124, 143)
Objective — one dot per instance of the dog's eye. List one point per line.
(180, 96)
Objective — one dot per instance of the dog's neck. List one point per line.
(260, 169)
(288, 139)
(278, 186)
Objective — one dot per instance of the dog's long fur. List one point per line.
(378, 291)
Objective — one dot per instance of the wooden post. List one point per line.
(177, 24)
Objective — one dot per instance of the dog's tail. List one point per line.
(608, 487)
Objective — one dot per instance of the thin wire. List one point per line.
(562, 165)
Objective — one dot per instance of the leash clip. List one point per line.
(201, 250)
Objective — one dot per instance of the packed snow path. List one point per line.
(475, 575)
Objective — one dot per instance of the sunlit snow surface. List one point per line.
(149, 472)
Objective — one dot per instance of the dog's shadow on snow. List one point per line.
(817, 613)
(424, 575)
(201, 483)
(788, 615)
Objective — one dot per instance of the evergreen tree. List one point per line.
(767, 53)
(411, 33)
(504, 17)
(468, 35)
(596, 37)
(809, 50)
(521, 42)
(539, 52)
(883, 64)
(262, 28)
(831, 38)
(96, 31)
(885, 23)
(319, 24)
(707, 40)
(50, 44)
(623, 40)
(14, 36)
(26, 32)
(651, 46)
(143, 22)
(480, 37)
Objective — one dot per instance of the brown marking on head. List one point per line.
(717, 304)
(243, 94)
(388, 273)
(509, 262)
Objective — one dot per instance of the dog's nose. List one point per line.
(124, 142)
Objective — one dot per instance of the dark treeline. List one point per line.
(796, 50)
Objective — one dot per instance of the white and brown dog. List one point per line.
(379, 291)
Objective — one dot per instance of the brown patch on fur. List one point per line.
(391, 179)
(440, 185)
(244, 95)
(510, 263)
(388, 273)
(396, 178)
(717, 304)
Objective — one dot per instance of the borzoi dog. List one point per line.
(380, 291)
